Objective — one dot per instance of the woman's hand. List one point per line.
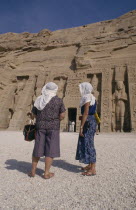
(62, 116)
(81, 132)
(80, 117)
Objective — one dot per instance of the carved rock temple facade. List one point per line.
(103, 54)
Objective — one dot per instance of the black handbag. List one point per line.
(29, 132)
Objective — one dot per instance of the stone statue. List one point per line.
(20, 87)
(61, 86)
(25, 91)
(119, 99)
(1, 88)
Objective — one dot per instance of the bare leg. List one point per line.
(48, 163)
(86, 168)
(91, 171)
(34, 166)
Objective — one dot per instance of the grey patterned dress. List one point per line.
(48, 118)
(47, 141)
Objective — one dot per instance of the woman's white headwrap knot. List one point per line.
(48, 92)
(86, 94)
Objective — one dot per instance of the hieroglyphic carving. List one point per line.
(2, 86)
(62, 83)
(40, 83)
(7, 104)
(72, 100)
(106, 102)
(132, 95)
(96, 90)
(23, 105)
(20, 86)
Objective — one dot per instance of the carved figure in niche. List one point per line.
(134, 112)
(20, 87)
(11, 100)
(1, 91)
(11, 112)
(61, 86)
(1, 87)
(119, 99)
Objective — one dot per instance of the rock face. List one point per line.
(103, 53)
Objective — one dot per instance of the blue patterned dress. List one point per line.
(86, 152)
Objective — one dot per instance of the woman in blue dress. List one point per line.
(86, 152)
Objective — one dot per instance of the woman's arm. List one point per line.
(84, 117)
(33, 116)
(62, 116)
(34, 112)
(62, 111)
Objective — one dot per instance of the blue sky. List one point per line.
(34, 15)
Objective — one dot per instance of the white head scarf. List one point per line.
(48, 92)
(86, 96)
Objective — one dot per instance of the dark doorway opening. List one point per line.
(72, 113)
(22, 77)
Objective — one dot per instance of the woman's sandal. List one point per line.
(48, 176)
(30, 174)
(89, 173)
(85, 168)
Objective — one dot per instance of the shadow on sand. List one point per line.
(65, 166)
(21, 166)
(25, 167)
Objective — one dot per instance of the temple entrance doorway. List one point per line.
(72, 113)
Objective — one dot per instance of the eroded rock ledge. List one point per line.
(102, 53)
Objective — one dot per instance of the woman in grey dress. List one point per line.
(49, 110)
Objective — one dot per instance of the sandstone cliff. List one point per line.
(105, 51)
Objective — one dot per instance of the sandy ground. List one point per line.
(114, 186)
